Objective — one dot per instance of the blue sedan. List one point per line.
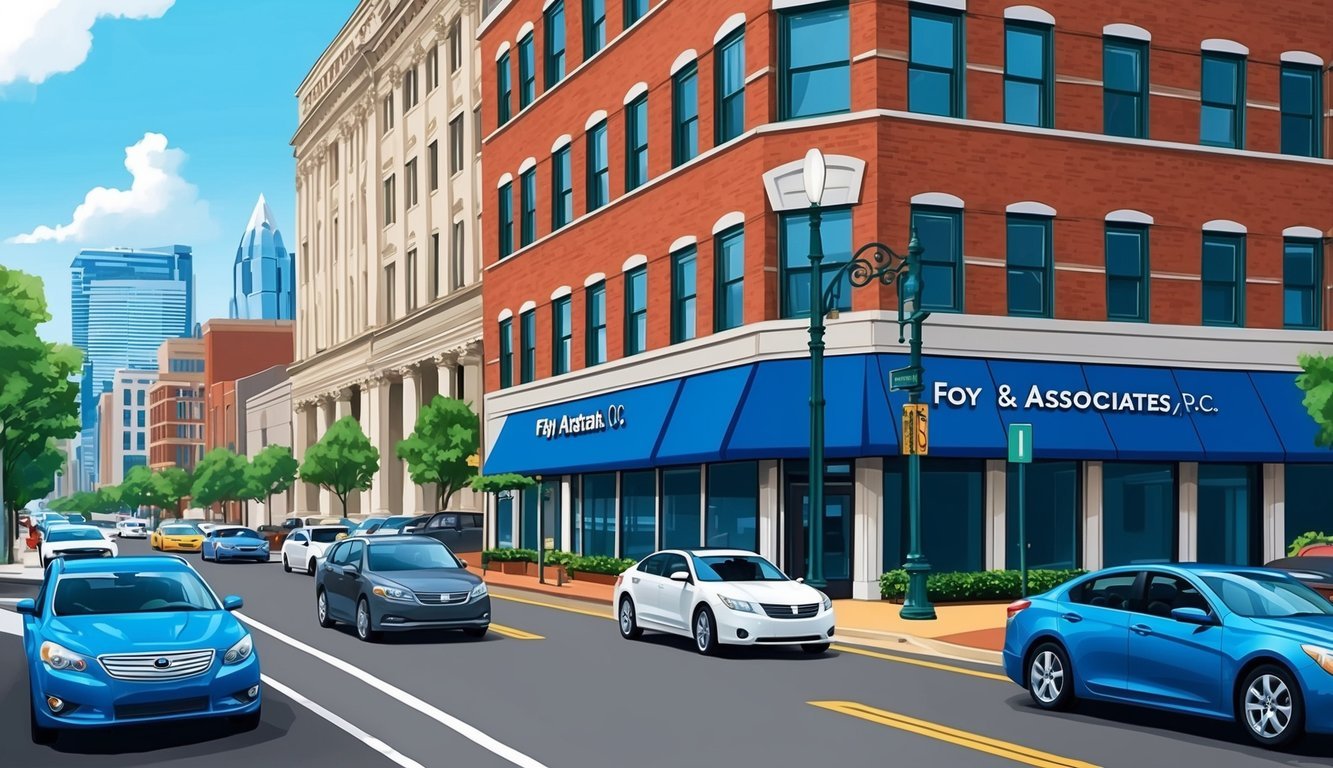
(134, 640)
(224, 543)
(1249, 645)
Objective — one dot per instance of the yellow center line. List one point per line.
(921, 663)
(565, 608)
(516, 634)
(1010, 751)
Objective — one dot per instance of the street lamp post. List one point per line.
(814, 175)
(541, 530)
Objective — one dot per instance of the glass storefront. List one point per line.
(839, 508)
(1140, 513)
(733, 506)
(598, 517)
(681, 508)
(953, 508)
(1230, 527)
(550, 506)
(528, 525)
(638, 513)
(1054, 510)
(1307, 489)
(504, 520)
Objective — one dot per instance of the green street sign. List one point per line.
(905, 378)
(1020, 443)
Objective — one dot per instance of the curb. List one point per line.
(935, 647)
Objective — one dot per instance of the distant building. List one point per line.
(126, 424)
(102, 436)
(263, 281)
(176, 405)
(265, 408)
(125, 303)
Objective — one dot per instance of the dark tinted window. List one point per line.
(1267, 596)
(672, 563)
(411, 556)
(736, 568)
(326, 535)
(653, 565)
(1166, 593)
(74, 534)
(132, 592)
(1110, 591)
(235, 533)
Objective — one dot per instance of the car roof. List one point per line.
(118, 564)
(1194, 569)
(323, 527)
(718, 551)
(232, 528)
(78, 527)
(395, 537)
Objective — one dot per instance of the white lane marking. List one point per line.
(338, 722)
(11, 623)
(468, 732)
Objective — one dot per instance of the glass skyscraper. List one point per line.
(263, 279)
(126, 302)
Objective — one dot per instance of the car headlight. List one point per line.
(394, 593)
(239, 652)
(61, 658)
(1322, 656)
(478, 591)
(737, 605)
(828, 603)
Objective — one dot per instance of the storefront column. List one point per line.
(342, 407)
(365, 503)
(1275, 511)
(770, 509)
(868, 529)
(566, 521)
(618, 537)
(300, 443)
(444, 365)
(1188, 550)
(379, 431)
(322, 424)
(1092, 515)
(414, 502)
(997, 497)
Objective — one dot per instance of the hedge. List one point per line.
(508, 556)
(975, 586)
(570, 561)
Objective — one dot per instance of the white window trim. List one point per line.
(594, 119)
(527, 165)
(1129, 216)
(1028, 13)
(733, 23)
(594, 279)
(729, 220)
(635, 91)
(683, 60)
(562, 142)
(527, 29)
(634, 262)
(547, 4)
(952, 5)
(683, 242)
(1302, 57)
(561, 292)
(527, 307)
(1030, 208)
(1127, 30)
(508, 178)
(1221, 45)
(502, 50)
(938, 199)
(1308, 233)
(505, 314)
(1224, 225)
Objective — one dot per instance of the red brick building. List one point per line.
(176, 405)
(1114, 199)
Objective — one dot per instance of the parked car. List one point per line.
(234, 542)
(131, 529)
(134, 640)
(76, 542)
(1315, 571)
(74, 518)
(398, 583)
(721, 596)
(306, 546)
(176, 536)
(368, 525)
(204, 528)
(1251, 645)
(460, 531)
(48, 519)
(396, 524)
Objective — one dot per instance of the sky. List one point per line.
(143, 123)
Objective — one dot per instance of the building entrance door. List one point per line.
(837, 540)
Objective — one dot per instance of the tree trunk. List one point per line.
(444, 498)
(342, 497)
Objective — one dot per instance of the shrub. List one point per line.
(1306, 539)
(508, 555)
(975, 586)
(602, 564)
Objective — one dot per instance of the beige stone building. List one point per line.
(388, 254)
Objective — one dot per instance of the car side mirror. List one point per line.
(463, 562)
(1194, 616)
(232, 603)
(680, 576)
(800, 579)
(27, 607)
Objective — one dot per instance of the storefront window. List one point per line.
(1054, 508)
(680, 508)
(953, 531)
(1229, 516)
(1306, 493)
(598, 516)
(551, 514)
(638, 513)
(1139, 513)
(528, 526)
(733, 506)
(504, 520)
(575, 516)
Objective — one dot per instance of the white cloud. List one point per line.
(160, 206)
(40, 38)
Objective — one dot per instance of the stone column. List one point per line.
(342, 408)
(379, 434)
(414, 502)
(366, 499)
(322, 423)
(445, 364)
(300, 442)
(470, 358)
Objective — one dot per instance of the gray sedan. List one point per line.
(396, 583)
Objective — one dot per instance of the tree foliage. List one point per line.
(497, 483)
(82, 502)
(35, 478)
(168, 487)
(136, 490)
(1317, 383)
(446, 437)
(343, 461)
(219, 477)
(271, 471)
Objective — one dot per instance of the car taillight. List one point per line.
(1016, 607)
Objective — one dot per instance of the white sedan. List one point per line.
(722, 596)
(76, 541)
(131, 529)
(305, 547)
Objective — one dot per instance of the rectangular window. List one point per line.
(436, 266)
(456, 145)
(527, 364)
(562, 334)
(597, 515)
(731, 516)
(129, 398)
(729, 82)
(1028, 81)
(935, 66)
(1127, 273)
(955, 534)
(506, 219)
(1054, 509)
(140, 416)
(125, 440)
(595, 346)
(815, 62)
(1302, 272)
(1230, 509)
(638, 513)
(683, 294)
(410, 92)
(433, 68)
(527, 72)
(506, 353)
(636, 310)
(794, 247)
(685, 115)
(1140, 512)
(457, 256)
(125, 415)
(682, 508)
(940, 231)
(1223, 279)
(410, 193)
(599, 167)
(390, 206)
(333, 161)
(503, 90)
(388, 112)
(634, 10)
(562, 186)
(433, 164)
(594, 27)
(1302, 105)
(636, 143)
(1030, 265)
(389, 310)
(527, 195)
(729, 257)
(140, 396)
(1222, 115)
(554, 25)
(410, 281)
(1125, 89)
(455, 44)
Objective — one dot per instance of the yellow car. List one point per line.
(176, 537)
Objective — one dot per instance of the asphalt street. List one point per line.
(556, 686)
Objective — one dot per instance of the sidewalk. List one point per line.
(29, 565)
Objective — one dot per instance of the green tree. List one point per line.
(35, 478)
(271, 471)
(136, 489)
(342, 461)
(439, 450)
(504, 482)
(107, 501)
(219, 478)
(168, 487)
(1316, 380)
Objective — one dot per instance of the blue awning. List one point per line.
(703, 416)
(882, 422)
(1057, 433)
(963, 420)
(774, 421)
(1228, 416)
(1143, 411)
(1283, 401)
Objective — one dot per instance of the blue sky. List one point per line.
(215, 78)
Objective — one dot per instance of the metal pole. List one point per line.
(1023, 525)
(541, 531)
(814, 572)
(917, 603)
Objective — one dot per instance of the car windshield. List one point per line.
(1267, 596)
(736, 568)
(75, 534)
(396, 522)
(132, 592)
(180, 530)
(52, 517)
(327, 535)
(133, 523)
(235, 533)
(411, 556)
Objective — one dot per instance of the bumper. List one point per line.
(94, 700)
(258, 556)
(1013, 665)
(128, 534)
(168, 545)
(396, 617)
(739, 628)
(1317, 690)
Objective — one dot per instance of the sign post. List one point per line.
(905, 378)
(1020, 453)
(916, 430)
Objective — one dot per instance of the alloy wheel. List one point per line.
(1268, 706)
(1048, 677)
(703, 631)
(363, 619)
(626, 617)
(322, 607)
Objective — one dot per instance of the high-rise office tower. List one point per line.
(263, 284)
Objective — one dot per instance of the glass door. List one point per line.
(837, 528)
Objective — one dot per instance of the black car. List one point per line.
(1314, 572)
(460, 531)
(398, 582)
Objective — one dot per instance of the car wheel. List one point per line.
(40, 734)
(286, 566)
(476, 632)
(248, 722)
(1271, 707)
(705, 631)
(322, 610)
(814, 649)
(364, 627)
(629, 623)
(310, 571)
(1049, 678)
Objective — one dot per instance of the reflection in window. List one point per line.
(562, 335)
(506, 220)
(506, 353)
(1222, 115)
(554, 25)
(598, 515)
(683, 294)
(1223, 279)
(527, 194)
(729, 62)
(594, 27)
(595, 350)
(685, 114)
(504, 89)
(638, 513)
(1028, 81)
(733, 506)
(562, 187)
(1139, 513)
(1127, 272)
(729, 256)
(528, 525)
(953, 534)
(599, 167)
(527, 346)
(1054, 515)
(636, 310)
(1031, 268)
(1302, 269)
(815, 62)
(940, 231)
(1302, 104)
(1229, 524)
(636, 143)
(935, 63)
(681, 513)
(1125, 92)
(794, 243)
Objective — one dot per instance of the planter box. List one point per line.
(513, 567)
(595, 578)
